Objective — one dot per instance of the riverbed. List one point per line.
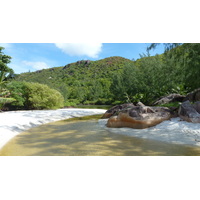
(42, 133)
(81, 137)
(14, 122)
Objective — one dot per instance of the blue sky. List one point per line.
(36, 56)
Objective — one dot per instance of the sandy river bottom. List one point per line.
(80, 137)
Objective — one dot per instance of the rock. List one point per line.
(189, 112)
(170, 98)
(66, 66)
(112, 111)
(193, 96)
(38, 71)
(196, 106)
(87, 62)
(140, 104)
(139, 117)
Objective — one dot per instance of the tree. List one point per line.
(5, 71)
(168, 46)
(190, 59)
(34, 96)
(186, 58)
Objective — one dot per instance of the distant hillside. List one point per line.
(84, 80)
(83, 67)
(118, 80)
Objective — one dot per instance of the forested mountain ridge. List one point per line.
(79, 68)
(84, 80)
(118, 80)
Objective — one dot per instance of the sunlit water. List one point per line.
(87, 138)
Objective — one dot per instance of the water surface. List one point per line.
(80, 137)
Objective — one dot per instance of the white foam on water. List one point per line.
(15, 122)
(173, 131)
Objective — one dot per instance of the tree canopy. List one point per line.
(5, 71)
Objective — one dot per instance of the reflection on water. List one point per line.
(87, 138)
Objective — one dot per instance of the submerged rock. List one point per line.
(189, 112)
(139, 117)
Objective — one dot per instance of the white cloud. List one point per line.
(36, 65)
(6, 45)
(81, 49)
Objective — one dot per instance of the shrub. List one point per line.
(17, 90)
(4, 101)
(35, 96)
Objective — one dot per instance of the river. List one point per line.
(85, 137)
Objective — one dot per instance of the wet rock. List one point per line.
(139, 117)
(189, 112)
(114, 110)
(170, 98)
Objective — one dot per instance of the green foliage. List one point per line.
(40, 96)
(5, 98)
(4, 101)
(144, 80)
(149, 78)
(186, 59)
(189, 57)
(34, 96)
(17, 91)
(5, 72)
(71, 102)
(4, 69)
(83, 80)
(119, 80)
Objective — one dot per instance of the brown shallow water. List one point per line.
(86, 138)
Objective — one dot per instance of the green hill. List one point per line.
(118, 80)
(84, 81)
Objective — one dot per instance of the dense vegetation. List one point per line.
(30, 96)
(25, 95)
(113, 80)
(5, 74)
(85, 82)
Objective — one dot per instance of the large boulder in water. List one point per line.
(139, 117)
(189, 112)
(115, 109)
